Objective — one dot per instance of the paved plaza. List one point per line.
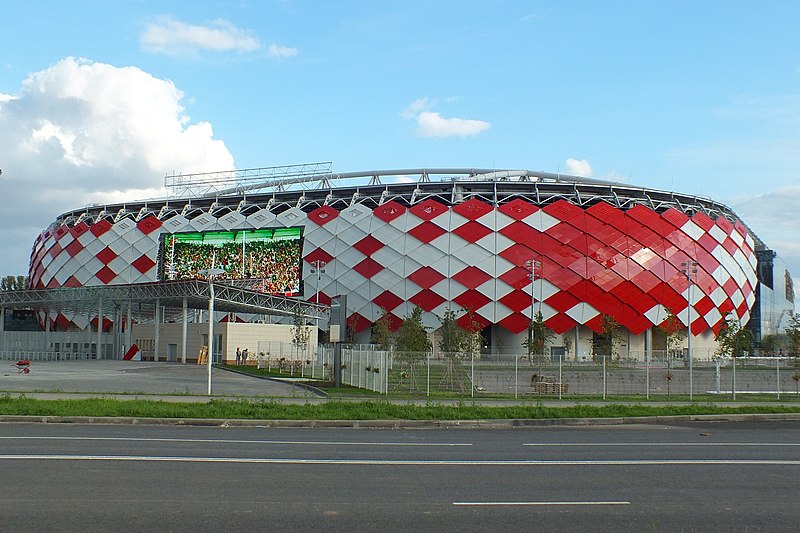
(177, 381)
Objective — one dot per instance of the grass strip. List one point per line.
(343, 410)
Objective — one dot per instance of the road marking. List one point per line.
(642, 444)
(380, 462)
(234, 441)
(486, 504)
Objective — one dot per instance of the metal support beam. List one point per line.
(184, 329)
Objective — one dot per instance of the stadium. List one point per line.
(495, 246)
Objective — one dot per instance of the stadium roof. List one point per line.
(170, 294)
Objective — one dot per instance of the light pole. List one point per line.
(689, 269)
(210, 274)
(533, 266)
(318, 268)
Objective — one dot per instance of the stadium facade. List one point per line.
(495, 246)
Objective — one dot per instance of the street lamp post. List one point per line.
(318, 268)
(210, 274)
(689, 269)
(533, 266)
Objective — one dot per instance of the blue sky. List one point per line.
(100, 99)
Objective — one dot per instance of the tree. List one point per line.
(412, 337)
(13, 283)
(792, 332)
(605, 341)
(451, 339)
(733, 340)
(300, 332)
(382, 331)
(674, 331)
(540, 337)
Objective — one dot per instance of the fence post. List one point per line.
(647, 374)
(472, 376)
(428, 367)
(604, 377)
(560, 382)
(778, 378)
(516, 374)
(733, 388)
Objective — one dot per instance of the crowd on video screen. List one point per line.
(275, 263)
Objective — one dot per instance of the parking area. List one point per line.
(136, 378)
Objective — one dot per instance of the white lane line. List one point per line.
(389, 462)
(487, 504)
(645, 444)
(234, 441)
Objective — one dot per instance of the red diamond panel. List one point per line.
(517, 254)
(74, 247)
(428, 210)
(389, 211)
(323, 215)
(368, 267)
(106, 275)
(725, 224)
(472, 231)
(516, 323)
(562, 301)
(148, 224)
(522, 233)
(517, 301)
(517, 277)
(368, 245)
(471, 300)
(100, 227)
(473, 209)
(318, 255)
(55, 250)
(143, 264)
(426, 232)
(562, 210)
(703, 220)
(560, 323)
(387, 300)
(426, 277)
(72, 283)
(427, 300)
(358, 323)
(472, 322)
(106, 255)
(79, 229)
(518, 209)
(61, 231)
(472, 277)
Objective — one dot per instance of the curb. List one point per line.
(510, 423)
(310, 388)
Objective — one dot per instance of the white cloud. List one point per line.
(82, 132)
(432, 124)
(282, 51)
(416, 107)
(173, 37)
(773, 217)
(579, 167)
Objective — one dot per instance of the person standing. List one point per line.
(238, 356)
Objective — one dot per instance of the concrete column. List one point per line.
(99, 327)
(128, 326)
(157, 325)
(47, 330)
(2, 328)
(185, 328)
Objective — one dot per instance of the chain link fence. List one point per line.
(519, 376)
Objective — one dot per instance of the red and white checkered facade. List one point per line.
(472, 255)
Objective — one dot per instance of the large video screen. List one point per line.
(269, 256)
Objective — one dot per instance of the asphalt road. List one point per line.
(691, 477)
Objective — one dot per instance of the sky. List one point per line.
(99, 100)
